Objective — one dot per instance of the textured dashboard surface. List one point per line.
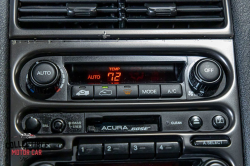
(4, 86)
(241, 20)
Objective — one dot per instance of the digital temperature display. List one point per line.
(123, 74)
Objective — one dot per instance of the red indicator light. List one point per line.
(137, 76)
(94, 77)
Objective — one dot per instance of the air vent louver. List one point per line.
(121, 14)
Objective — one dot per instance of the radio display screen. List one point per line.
(123, 74)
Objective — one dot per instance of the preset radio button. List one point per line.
(89, 152)
(116, 151)
(167, 149)
(142, 150)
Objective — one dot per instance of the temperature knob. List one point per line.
(43, 79)
(205, 77)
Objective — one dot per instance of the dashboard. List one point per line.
(124, 83)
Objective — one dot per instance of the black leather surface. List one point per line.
(241, 19)
(4, 89)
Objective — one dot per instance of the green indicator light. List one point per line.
(105, 87)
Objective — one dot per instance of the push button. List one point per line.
(82, 92)
(167, 149)
(127, 91)
(149, 91)
(116, 151)
(32, 125)
(195, 122)
(89, 152)
(219, 122)
(212, 143)
(58, 125)
(173, 90)
(144, 150)
(209, 70)
(105, 91)
(44, 73)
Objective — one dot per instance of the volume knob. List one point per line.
(43, 79)
(205, 77)
(32, 125)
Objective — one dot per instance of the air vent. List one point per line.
(121, 14)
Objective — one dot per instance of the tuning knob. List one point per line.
(205, 77)
(43, 79)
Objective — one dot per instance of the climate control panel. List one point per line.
(78, 79)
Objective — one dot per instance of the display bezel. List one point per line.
(125, 73)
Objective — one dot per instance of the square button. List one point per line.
(116, 151)
(149, 91)
(82, 92)
(89, 152)
(106, 91)
(127, 91)
(171, 90)
(143, 150)
(167, 149)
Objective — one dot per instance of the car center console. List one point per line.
(123, 100)
(92, 109)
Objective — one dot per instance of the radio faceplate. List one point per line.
(136, 122)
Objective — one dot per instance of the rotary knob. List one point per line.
(32, 125)
(43, 79)
(215, 163)
(205, 77)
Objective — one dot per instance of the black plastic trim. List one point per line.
(18, 33)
